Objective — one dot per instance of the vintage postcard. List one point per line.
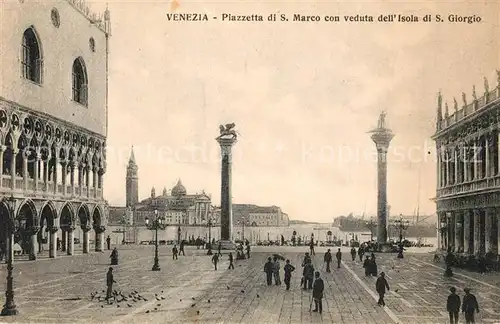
(168, 161)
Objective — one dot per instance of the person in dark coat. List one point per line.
(367, 266)
(328, 260)
(318, 288)
(181, 248)
(311, 246)
(469, 306)
(215, 260)
(174, 252)
(353, 253)
(308, 275)
(248, 250)
(453, 306)
(108, 242)
(288, 268)
(361, 252)
(269, 269)
(338, 255)
(114, 257)
(380, 286)
(307, 259)
(231, 265)
(219, 248)
(109, 283)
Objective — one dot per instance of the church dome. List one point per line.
(178, 189)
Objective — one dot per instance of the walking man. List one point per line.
(174, 252)
(276, 271)
(361, 252)
(215, 260)
(308, 274)
(380, 286)
(219, 248)
(318, 288)
(248, 250)
(328, 260)
(311, 246)
(231, 265)
(339, 258)
(453, 306)
(353, 253)
(181, 248)
(109, 283)
(469, 306)
(288, 268)
(108, 242)
(269, 269)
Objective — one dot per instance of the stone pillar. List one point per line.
(86, 240)
(94, 181)
(71, 241)
(477, 233)
(53, 242)
(63, 240)
(488, 227)
(487, 157)
(455, 164)
(10, 247)
(382, 138)
(46, 173)
(72, 178)
(80, 180)
(467, 238)
(99, 238)
(13, 168)
(466, 166)
(64, 174)
(475, 161)
(2, 150)
(458, 231)
(226, 143)
(25, 169)
(36, 170)
(33, 243)
(87, 180)
(55, 176)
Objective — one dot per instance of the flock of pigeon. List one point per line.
(128, 300)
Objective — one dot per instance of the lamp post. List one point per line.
(209, 245)
(179, 235)
(155, 224)
(401, 225)
(9, 308)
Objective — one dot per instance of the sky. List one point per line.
(303, 97)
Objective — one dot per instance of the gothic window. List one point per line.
(80, 83)
(31, 58)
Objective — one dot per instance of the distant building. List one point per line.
(254, 215)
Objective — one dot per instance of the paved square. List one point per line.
(189, 290)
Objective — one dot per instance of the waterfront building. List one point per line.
(468, 186)
(253, 215)
(53, 122)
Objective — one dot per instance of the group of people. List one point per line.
(240, 255)
(272, 270)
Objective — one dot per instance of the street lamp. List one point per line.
(209, 245)
(9, 308)
(155, 224)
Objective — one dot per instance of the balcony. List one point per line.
(29, 189)
(475, 186)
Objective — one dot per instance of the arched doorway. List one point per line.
(48, 230)
(27, 228)
(99, 229)
(68, 225)
(84, 219)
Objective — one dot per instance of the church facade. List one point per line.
(53, 123)
(468, 173)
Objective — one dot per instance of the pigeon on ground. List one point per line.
(227, 287)
(102, 306)
(129, 305)
(147, 312)
(180, 299)
(242, 291)
(198, 312)
(162, 291)
(258, 296)
(209, 301)
(192, 298)
(162, 298)
(156, 308)
(193, 305)
(396, 290)
(158, 304)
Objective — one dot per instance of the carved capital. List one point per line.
(33, 230)
(53, 229)
(99, 229)
(68, 228)
(86, 228)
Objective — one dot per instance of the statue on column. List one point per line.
(498, 78)
(381, 119)
(474, 95)
(440, 100)
(228, 130)
(446, 112)
(455, 105)
(486, 86)
(464, 99)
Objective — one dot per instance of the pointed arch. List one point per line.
(27, 210)
(31, 55)
(97, 216)
(83, 215)
(67, 216)
(48, 214)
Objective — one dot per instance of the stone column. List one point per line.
(25, 169)
(13, 168)
(86, 240)
(467, 238)
(80, 179)
(488, 226)
(455, 164)
(36, 172)
(458, 231)
(87, 180)
(487, 156)
(55, 176)
(226, 143)
(477, 233)
(46, 173)
(53, 242)
(72, 178)
(466, 166)
(64, 174)
(63, 240)
(10, 247)
(382, 138)
(447, 161)
(99, 238)
(71, 241)
(2, 150)
(94, 181)
(33, 243)
(475, 161)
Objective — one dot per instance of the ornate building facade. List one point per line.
(468, 172)
(53, 122)
(254, 215)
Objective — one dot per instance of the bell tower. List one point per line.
(132, 180)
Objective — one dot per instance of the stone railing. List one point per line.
(470, 186)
